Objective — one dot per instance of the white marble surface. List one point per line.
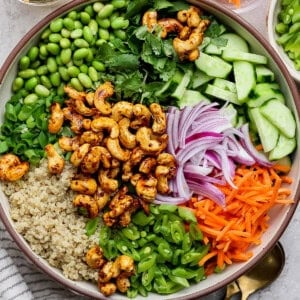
(16, 19)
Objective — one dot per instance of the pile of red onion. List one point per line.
(207, 149)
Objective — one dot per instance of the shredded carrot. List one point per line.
(232, 230)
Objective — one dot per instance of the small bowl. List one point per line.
(272, 35)
(42, 2)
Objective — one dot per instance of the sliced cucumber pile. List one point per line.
(232, 74)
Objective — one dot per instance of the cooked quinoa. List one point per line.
(41, 207)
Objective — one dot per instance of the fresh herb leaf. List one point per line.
(220, 42)
(136, 6)
(123, 62)
(161, 4)
(91, 226)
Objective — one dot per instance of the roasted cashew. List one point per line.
(105, 273)
(94, 257)
(55, 162)
(124, 263)
(68, 143)
(147, 165)
(78, 155)
(107, 184)
(91, 137)
(135, 178)
(127, 139)
(76, 120)
(87, 202)
(122, 109)
(105, 123)
(11, 168)
(150, 19)
(142, 116)
(146, 188)
(169, 25)
(90, 98)
(101, 198)
(168, 160)
(107, 288)
(80, 107)
(184, 33)
(150, 143)
(86, 124)
(116, 151)
(123, 282)
(56, 118)
(103, 92)
(160, 121)
(86, 186)
(74, 94)
(91, 161)
(125, 218)
(190, 16)
(161, 173)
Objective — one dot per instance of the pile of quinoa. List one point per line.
(42, 210)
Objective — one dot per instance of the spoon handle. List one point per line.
(232, 289)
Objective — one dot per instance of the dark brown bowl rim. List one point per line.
(290, 82)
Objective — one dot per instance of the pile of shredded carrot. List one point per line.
(237, 3)
(232, 230)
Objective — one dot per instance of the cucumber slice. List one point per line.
(284, 147)
(191, 98)
(245, 80)
(263, 88)
(264, 98)
(264, 74)
(213, 65)
(235, 55)
(225, 84)
(267, 132)
(221, 94)
(199, 78)
(234, 41)
(230, 113)
(280, 116)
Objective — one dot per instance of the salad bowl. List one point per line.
(279, 216)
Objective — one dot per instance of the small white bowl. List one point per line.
(271, 22)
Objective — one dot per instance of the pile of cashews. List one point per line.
(189, 27)
(123, 140)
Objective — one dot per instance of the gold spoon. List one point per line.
(260, 276)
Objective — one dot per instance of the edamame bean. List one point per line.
(87, 34)
(65, 33)
(93, 25)
(78, 62)
(58, 60)
(93, 74)
(83, 69)
(81, 43)
(31, 83)
(41, 91)
(97, 6)
(24, 62)
(76, 33)
(45, 33)
(63, 71)
(106, 11)
(55, 79)
(53, 48)
(73, 71)
(69, 23)
(85, 80)
(46, 81)
(104, 23)
(85, 17)
(121, 34)
(75, 83)
(17, 84)
(104, 34)
(89, 9)
(65, 43)
(35, 64)
(30, 99)
(81, 53)
(72, 15)
(42, 70)
(99, 66)
(43, 51)
(66, 55)
(118, 3)
(28, 73)
(78, 24)
(60, 90)
(119, 23)
(114, 16)
(51, 65)
(100, 42)
(33, 53)
(55, 37)
(90, 55)
(56, 25)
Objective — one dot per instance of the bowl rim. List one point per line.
(271, 21)
(205, 4)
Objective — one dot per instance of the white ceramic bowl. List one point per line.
(43, 2)
(272, 21)
(280, 217)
